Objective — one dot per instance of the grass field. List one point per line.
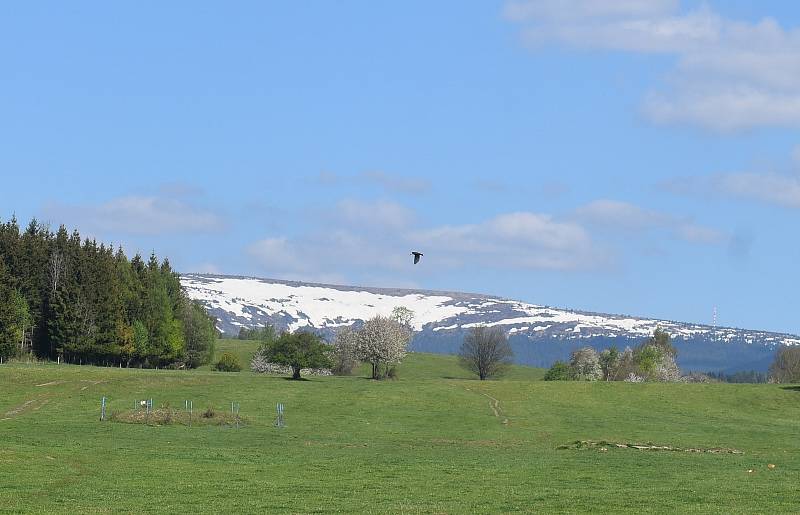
(435, 440)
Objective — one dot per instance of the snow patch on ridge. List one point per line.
(248, 302)
(313, 306)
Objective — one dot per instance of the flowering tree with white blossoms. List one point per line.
(382, 341)
(585, 365)
(345, 351)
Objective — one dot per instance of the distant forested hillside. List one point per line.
(84, 302)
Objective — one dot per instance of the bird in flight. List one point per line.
(416, 255)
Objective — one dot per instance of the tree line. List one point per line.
(652, 360)
(655, 360)
(381, 342)
(78, 301)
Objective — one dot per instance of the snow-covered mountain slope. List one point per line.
(442, 317)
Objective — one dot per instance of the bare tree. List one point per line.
(57, 269)
(486, 352)
(86, 319)
(786, 367)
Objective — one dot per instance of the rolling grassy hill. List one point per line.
(436, 440)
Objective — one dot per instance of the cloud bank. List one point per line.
(728, 75)
(357, 240)
(140, 215)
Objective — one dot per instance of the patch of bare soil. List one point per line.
(604, 446)
(51, 383)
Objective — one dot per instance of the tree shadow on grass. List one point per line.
(791, 388)
(293, 379)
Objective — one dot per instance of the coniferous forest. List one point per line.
(73, 300)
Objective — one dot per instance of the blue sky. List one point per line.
(627, 156)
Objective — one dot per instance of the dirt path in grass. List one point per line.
(494, 405)
(92, 383)
(51, 383)
(29, 405)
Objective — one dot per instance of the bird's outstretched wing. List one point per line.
(416, 255)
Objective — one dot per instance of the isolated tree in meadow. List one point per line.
(786, 366)
(485, 351)
(299, 350)
(382, 342)
(585, 365)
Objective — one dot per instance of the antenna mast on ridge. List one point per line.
(714, 324)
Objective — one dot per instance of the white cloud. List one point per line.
(778, 189)
(515, 240)
(392, 183)
(521, 10)
(364, 240)
(767, 187)
(138, 215)
(344, 249)
(729, 75)
(694, 233)
(616, 215)
(396, 183)
(620, 215)
(381, 213)
(726, 109)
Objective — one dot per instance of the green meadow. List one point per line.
(435, 440)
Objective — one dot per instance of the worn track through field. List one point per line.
(494, 405)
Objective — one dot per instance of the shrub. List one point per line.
(260, 365)
(228, 363)
(560, 371)
(697, 377)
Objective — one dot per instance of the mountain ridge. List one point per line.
(539, 334)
